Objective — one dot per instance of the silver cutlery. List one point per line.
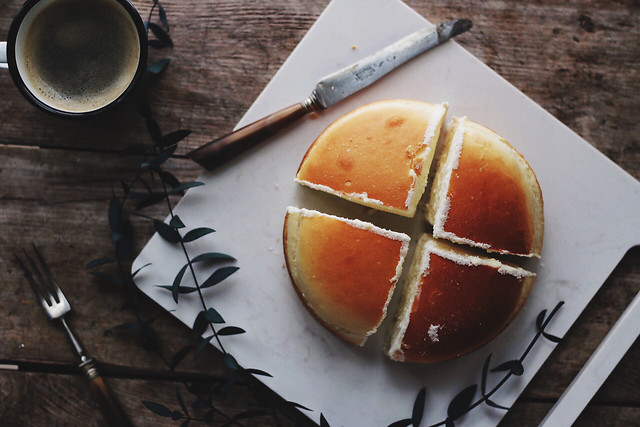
(56, 307)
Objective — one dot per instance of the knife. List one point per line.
(328, 91)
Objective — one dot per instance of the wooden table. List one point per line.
(578, 60)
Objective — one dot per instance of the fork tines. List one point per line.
(43, 284)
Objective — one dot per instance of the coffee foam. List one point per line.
(98, 44)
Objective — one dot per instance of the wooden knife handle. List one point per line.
(220, 150)
(109, 405)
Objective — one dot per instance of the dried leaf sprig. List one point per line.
(463, 402)
(149, 176)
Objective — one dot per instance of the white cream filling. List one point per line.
(364, 197)
(433, 333)
(427, 142)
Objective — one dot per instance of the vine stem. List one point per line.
(509, 374)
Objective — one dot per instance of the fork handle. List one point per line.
(109, 405)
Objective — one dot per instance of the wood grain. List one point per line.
(578, 60)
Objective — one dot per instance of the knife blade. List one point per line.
(329, 90)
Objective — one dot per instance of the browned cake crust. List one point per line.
(485, 194)
(378, 155)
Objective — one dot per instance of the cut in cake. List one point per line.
(454, 302)
(378, 155)
(484, 193)
(344, 270)
(484, 200)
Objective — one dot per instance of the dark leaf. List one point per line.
(202, 346)
(167, 232)
(418, 407)
(163, 16)
(175, 289)
(174, 137)
(154, 129)
(99, 261)
(213, 316)
(551, 338)
(231, 362)
(164, 155)
(185, 423)
(212, 256)
(231, 330)
(299, 406)
(185, 186)
(513, 366)
(106, 277)
(181, 289)
(135, 273)
(176, 222)
(323, 421)
(124, 245)
(197, 233)
(201, 324)
(157, 408)
(485, 371)
(180, 354)
(149, 338)
(495, 405)
(158, 44)
(257, 371)
(169, 179)
(402, 423)
(181, 402)
(161, 35)
(218, 276)
(449, 422)
(540, 319)
(460, 404)
(157, 68)
(176, 415)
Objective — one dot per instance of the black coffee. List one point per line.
(80, 55)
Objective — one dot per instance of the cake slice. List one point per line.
(485, 194)
(454, 302)
(344, 270)
(378, 155)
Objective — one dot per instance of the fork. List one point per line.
(56, 306)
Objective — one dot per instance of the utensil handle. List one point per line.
(109, 405)
(3, 55)
(220, 150)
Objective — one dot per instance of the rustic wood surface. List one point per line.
(579, 60)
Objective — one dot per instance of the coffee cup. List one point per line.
(76, 58)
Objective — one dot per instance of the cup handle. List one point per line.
(3, 55)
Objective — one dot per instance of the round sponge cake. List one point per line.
(344, 270)
(378, 155)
